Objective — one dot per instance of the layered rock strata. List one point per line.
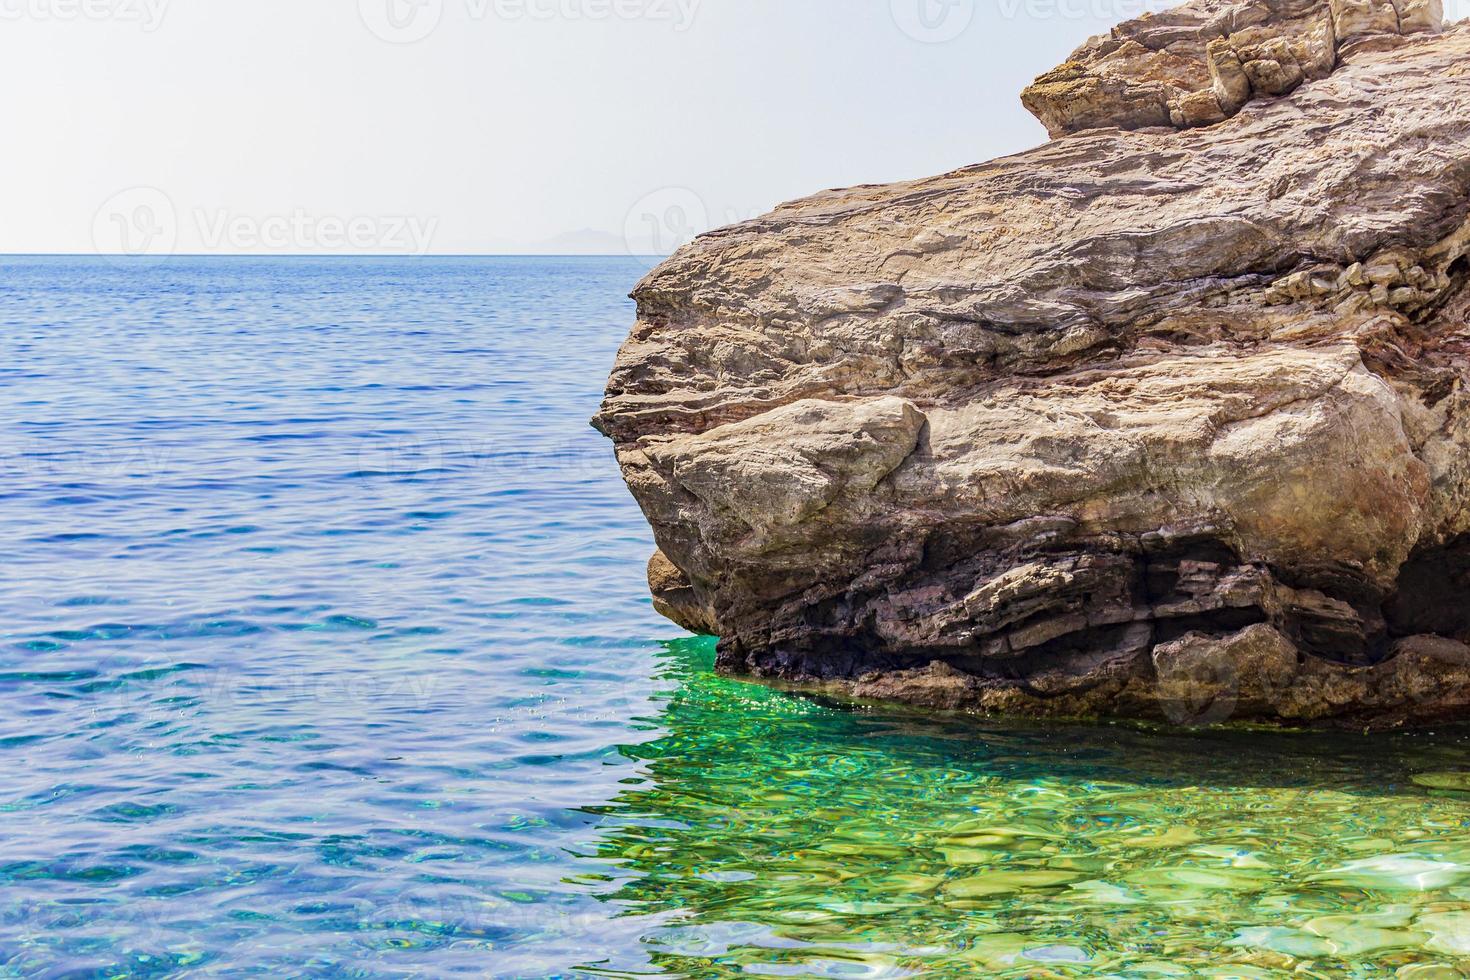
(1201, 63)
(1149, 421)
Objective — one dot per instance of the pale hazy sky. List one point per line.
(464, 126)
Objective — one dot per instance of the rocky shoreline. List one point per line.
(1163, 419)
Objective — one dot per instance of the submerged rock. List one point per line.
(1165, 419)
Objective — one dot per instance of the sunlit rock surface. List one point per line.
(1165, 418)
(1200, 63)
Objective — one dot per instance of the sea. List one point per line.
(326, 650)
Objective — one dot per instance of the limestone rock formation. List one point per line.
(1166, 418)
(1201, 63)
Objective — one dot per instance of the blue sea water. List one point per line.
(322, 610)
(325, 650)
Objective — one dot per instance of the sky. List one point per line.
(493, 126)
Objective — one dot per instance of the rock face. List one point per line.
(1166, 418)
(1199, 64)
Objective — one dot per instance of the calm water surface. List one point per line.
(325, 651)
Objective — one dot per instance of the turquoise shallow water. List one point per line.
(325, 650)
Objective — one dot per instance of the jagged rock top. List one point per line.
(1200, 63)
(1083, 249)
(1031, 435)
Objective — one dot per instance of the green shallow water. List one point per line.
(780, 835)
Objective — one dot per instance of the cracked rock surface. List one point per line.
(1163, 419)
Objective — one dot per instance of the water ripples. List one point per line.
(325, 651)
(321, 604)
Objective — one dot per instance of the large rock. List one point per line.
(1048, 434)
